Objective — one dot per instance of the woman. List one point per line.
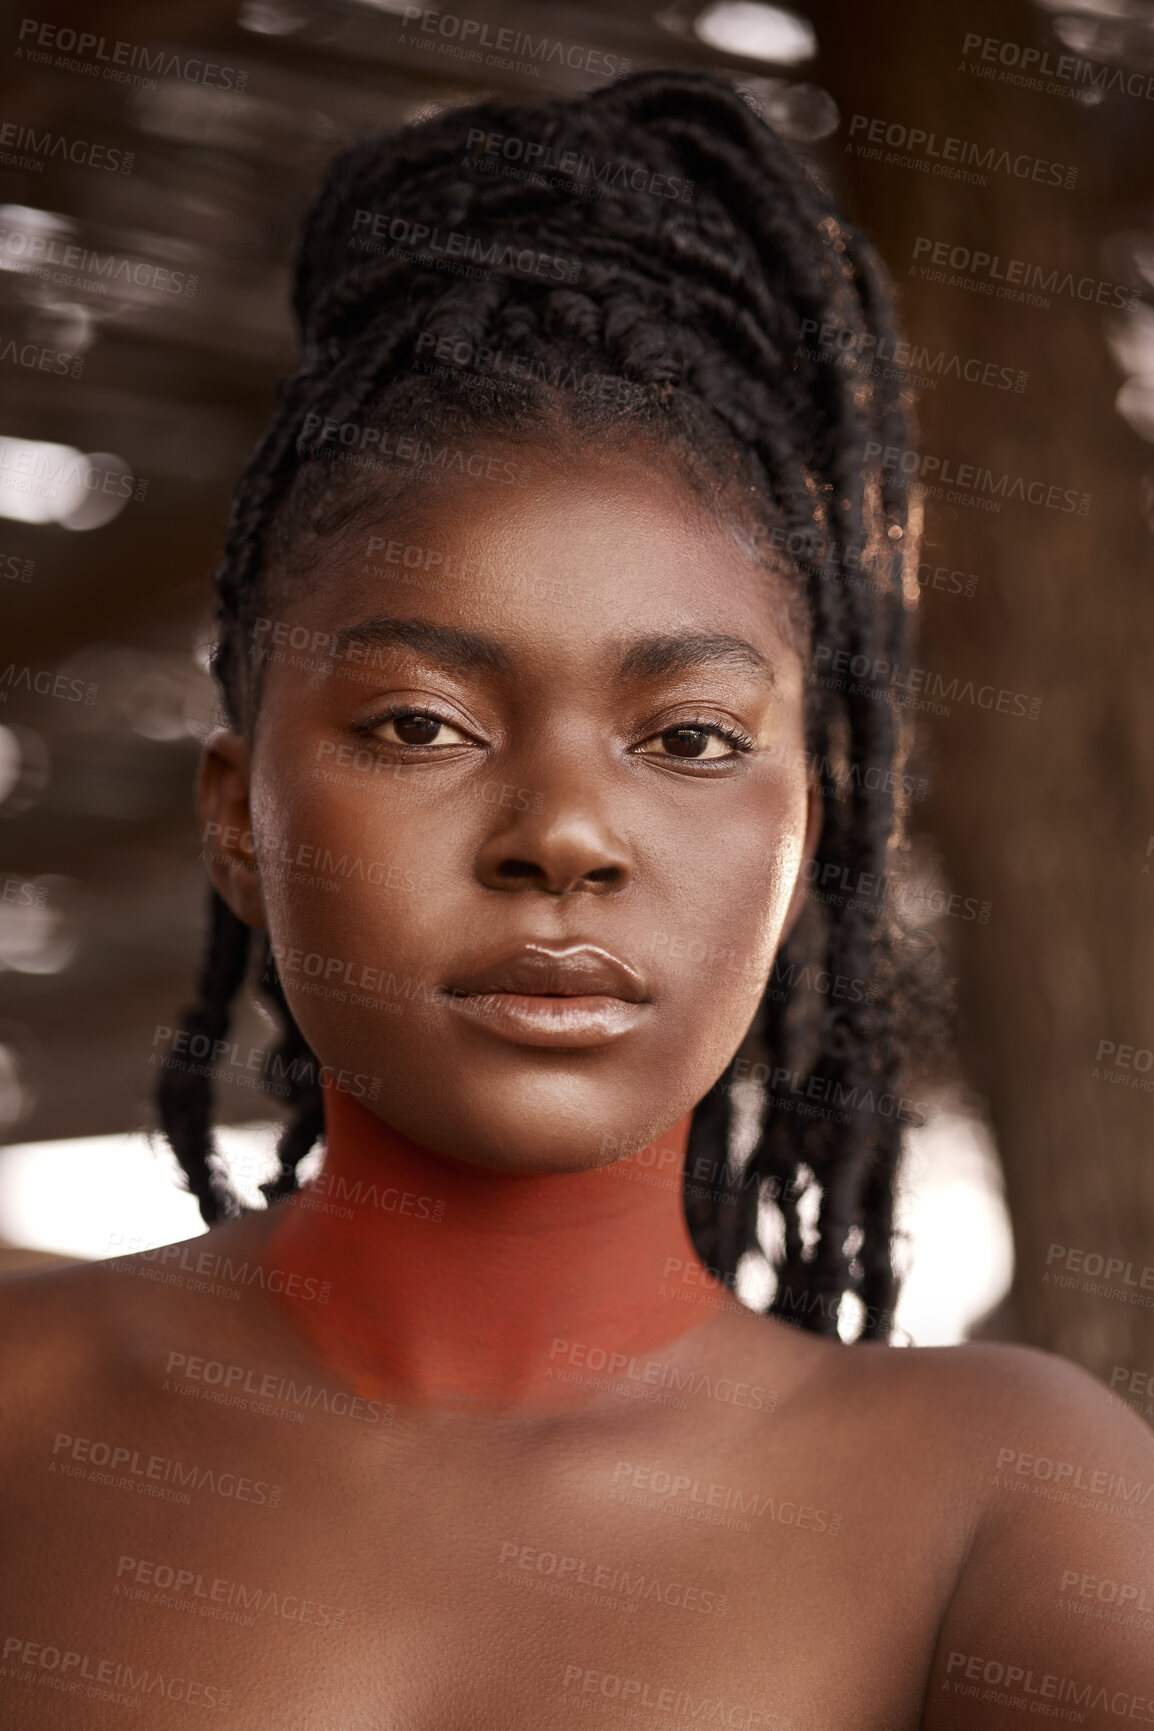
(561, 784)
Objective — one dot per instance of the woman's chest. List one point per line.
(443, 1586)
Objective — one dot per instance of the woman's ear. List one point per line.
(222, 797)
(813, 828)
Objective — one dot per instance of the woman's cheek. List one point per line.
(336, 881)
(732, 901)
(359, 972)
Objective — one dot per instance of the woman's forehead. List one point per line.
(593, 550)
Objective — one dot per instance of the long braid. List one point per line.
(185, 1093)
(699, 311)
(292, 1060)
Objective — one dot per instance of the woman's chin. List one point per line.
(532, 1143)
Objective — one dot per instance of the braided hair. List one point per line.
(695, 309)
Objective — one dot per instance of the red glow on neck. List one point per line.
(454, 1283)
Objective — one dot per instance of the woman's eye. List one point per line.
(414, 727)
(697, 743)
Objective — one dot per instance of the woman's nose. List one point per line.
(567, 845)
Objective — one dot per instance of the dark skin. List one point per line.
(627, 838)
(618, 841)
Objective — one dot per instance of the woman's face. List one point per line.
(526, 804)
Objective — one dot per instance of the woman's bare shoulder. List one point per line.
(49, 1316)
(990, 1401)
(992, 1374)
(1036, 1484)
(1053, 1478)
(1038, 1432)
(56, 1327)
(975, 1417)
(76, 1328)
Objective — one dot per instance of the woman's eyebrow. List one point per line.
(445, 644)
(677, 652)
(645, 657)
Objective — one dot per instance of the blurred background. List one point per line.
(153, 166)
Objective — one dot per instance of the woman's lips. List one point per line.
(535, 1020)
(544, 994)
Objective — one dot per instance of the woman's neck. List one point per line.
(452, 1283)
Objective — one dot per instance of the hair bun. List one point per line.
(647, 130)
(410, 180)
